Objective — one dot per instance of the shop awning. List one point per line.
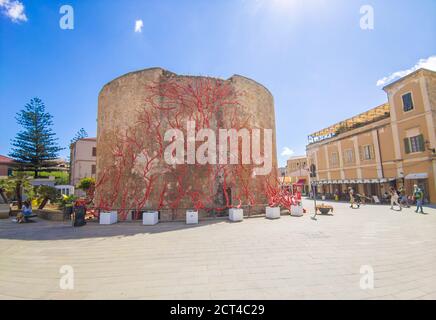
(415, 176)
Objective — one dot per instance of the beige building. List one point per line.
(297, 171)
(83, 160)
(392, 144)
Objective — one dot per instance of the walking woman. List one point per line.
(352, 198)
(394, 198)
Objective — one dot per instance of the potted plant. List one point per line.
(272, 212)
(66, 204)
(150, 218)
(236, 214)
(191, 217)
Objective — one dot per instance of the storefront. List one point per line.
(419, 179)
(365, 187)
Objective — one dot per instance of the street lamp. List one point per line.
(313, 185)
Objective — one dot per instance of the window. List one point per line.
(407, 102)
(94, 151)
(367, 152)
(414, 144)
(349, 156)
(334, 159)
(93, 169)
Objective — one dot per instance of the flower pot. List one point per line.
(109, 217)
(150, 218)
(191, 217)
(272, 212)
(236, 215)
(297, 211)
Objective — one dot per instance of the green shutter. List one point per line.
(406, 145)
(421, 143)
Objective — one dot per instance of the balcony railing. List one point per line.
(363, 119)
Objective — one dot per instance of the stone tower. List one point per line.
(136, 112)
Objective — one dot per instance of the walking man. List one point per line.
(419, 197)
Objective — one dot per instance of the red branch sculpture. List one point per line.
(140, 178)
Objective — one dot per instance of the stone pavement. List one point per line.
(290, 258)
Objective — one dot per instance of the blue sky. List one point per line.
(312, 55)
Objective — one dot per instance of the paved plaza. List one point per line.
(289, 258)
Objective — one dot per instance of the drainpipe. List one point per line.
(380, 154)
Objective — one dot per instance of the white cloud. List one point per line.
(287, 152)
(138, 25)
(429, 63)
(13, 9)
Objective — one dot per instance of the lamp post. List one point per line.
(314, 199)
(313, 185)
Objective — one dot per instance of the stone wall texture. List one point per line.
(135, 111)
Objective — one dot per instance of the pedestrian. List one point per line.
(26, 212)
(419, 197)
(352, 199)
(403, 197)
(394, 198)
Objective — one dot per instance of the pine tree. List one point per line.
(35, 146)
(79, 135)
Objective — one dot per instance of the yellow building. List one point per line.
(297, 171)
(392, 144)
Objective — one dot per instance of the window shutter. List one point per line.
(421, 143)
(406, 145)
(360, 153)
(371, 151)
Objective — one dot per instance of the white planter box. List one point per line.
(108, 217)
(150, 218)
(273, 212)
(297, 211)
(236, 214)
(191, 217)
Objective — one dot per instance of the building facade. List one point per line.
(6, 166)
(297, 171)
(390, 145)
(83, 160)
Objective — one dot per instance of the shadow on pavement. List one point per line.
(51, 230)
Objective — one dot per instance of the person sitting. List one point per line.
(26, 212)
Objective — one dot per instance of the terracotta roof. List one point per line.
(4, 159)
(88, 139)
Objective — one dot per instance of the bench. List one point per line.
(324, 209)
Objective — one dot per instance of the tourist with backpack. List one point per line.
(419, 197)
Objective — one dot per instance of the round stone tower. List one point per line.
(164, 142)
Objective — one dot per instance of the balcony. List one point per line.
(363, 119)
